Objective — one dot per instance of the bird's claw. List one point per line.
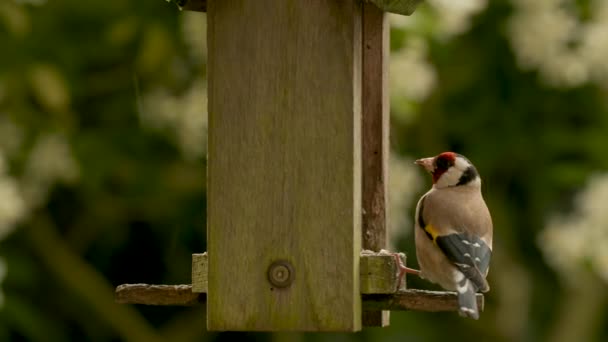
(402, 270)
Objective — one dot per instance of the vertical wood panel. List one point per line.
(284, 171)
(375, 142)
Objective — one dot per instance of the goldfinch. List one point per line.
(453, 230)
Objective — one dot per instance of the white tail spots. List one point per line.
(468, 310)
(476, 244)
(462, 289)
(466, 242)
(461, 286)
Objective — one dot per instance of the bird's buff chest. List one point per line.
(433, 264)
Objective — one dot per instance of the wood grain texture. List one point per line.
(405, 7)
(200, 270)
(374, 138)
(284, 171)
(375, 127)
(416, 300)
(378, 284)
(179, 295)
(379, 274)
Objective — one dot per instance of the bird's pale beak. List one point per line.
(427, 163)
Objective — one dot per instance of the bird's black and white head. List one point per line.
(451, 169)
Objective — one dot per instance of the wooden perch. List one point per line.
(416, 300)
(378, 289)
(178, 295)
(182, 295)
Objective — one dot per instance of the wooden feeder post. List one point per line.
(284, 165)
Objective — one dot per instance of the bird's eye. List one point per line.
(442, 163)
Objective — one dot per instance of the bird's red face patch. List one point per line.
(442, 163)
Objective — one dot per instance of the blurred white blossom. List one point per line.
(192, 128)
(411, 75)
(50, 161)
(405, 22)
(449, 18)
(454, 16)
(571, 242)
(567, 51)
(194, 33)
(12, 206)
(412, 78)
(404, 182)
(184, 117)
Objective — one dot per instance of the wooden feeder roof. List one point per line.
(403, 7)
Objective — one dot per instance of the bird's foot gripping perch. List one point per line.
(401, 268)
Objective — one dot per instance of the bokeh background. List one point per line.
(103, 156)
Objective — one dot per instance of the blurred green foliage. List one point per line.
(79, 69)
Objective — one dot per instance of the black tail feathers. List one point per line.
(467, 300)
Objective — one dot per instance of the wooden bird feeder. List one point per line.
(297, 171)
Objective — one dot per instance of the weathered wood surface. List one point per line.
(375, 127)
(374, 138)
(405, 7)
(180, 295)
(378, 289)
(379, 273)
(284, 171)
(416, 300)
(200, 270)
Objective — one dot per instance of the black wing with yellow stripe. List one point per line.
(468, 252)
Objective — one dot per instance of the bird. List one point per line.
(453, 230)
